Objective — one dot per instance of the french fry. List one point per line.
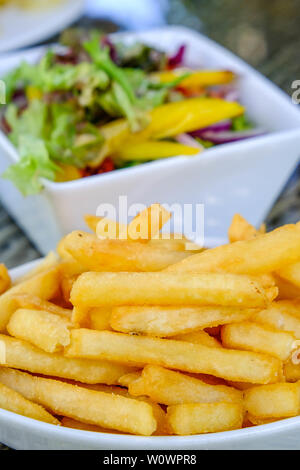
(291, 274)
(259, 421)
(32, 301)
(92, 221)
(281, 315)
(48, 262)
(251, 336)
(148, 223)
(173, 388)
(100, 318)
(158, 413)
(69, 266)
(272, 401)
(89, 406)
(286, 290)
(198, 418)
(107, 228)
(127, 379)
(108, 289)
(66, 287)
(113, 230)
(11, 400)
(72, 423)
(291, 371)
(45, 285)
(233, 365)
(164, 321)
(118, 255)
(198, 337)
(175, 242)
(45, 330)
(264, 254)
(80, 316)
(5, 280)
(240, 229)
(19, 354)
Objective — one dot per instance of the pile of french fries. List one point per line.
(125, 331)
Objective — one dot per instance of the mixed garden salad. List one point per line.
(95, 106)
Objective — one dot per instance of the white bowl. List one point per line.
(22, 433)
(243, 177)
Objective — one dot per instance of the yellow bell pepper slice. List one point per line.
(167, 121)
(196, 78)
(154, 150)
(33, 93)
(67, 173)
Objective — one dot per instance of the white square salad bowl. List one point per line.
(243, 177)
(23, 433)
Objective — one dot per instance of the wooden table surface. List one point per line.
(264, 33)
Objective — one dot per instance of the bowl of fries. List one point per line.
(226, 178)
(141, 343)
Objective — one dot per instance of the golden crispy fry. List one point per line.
(32, 301)
(22, 355)
(92, 221)
(291, 274)
(173, 388)
(259, 255)
(69, 266)
(72, 423)
(175, 242)
(11, 400)
(258, 421)
(240, 229)
(148, 223)
(5, 281)
(109, 289)
(118, 255)
(198, 337)
(115, 230)
(170, 321)
(272, 401)
(50, 261)
(291, 371)
(89, 406)
(127, 379)
(80, 316)
(100, 318)
(107, 228)
(158, 413)
(229, 364)
(45, 330)
(251, 336)
(45, 285)
(66, 286)
(198, 418)
(281, 315)
(286, 289)
(112, 230)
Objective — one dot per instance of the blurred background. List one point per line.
(264, 33)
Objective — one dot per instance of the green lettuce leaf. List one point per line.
(34, 163)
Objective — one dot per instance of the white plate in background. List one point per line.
(23, 27)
